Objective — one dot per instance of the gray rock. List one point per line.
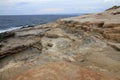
(6, 35)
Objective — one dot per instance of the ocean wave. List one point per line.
(10, 29)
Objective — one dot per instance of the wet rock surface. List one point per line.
(86, 47)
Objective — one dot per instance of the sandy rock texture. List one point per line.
(106, 23)
(54, 71)
(85, 47)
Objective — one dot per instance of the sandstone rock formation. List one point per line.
(61, 71)
(88, 45)
(106, 23)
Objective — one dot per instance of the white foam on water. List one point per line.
(9, 29)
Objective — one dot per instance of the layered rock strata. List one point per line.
(86, 46)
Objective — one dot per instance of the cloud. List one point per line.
(54, 6)
(111, 0)
(52, 10)
(14, 2)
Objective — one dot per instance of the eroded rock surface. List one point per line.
(54, 71)
(106, 23)
(87, 45)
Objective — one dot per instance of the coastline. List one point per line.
(10, 29)
(87, 44)
(9, 22)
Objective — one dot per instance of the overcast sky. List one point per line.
(24, 7)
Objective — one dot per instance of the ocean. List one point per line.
(8, 23)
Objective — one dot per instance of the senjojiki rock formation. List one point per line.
(87, 45)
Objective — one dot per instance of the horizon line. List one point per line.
(45, 14)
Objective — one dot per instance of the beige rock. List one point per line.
(87, 40)
(61, 71)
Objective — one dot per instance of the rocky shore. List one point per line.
(85, 47)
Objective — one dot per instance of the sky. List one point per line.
(31, 7)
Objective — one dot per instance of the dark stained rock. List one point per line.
(1, 45)
(30, 26)
(115, 46)
(114, 7)
(12, 51)
(6, 35)
(116, 13)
